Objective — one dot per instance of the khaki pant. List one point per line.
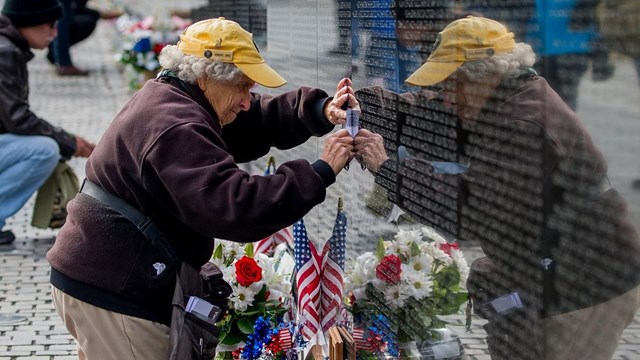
(106, 335)
(592, 333)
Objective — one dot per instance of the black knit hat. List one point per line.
(25, 13)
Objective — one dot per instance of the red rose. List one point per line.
(247, 271)
(446, 247)
(389, 269)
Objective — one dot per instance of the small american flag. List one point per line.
(284, 339)
(333, 272)
(360, 339)
(307, 281)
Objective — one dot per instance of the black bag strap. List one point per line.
(143, 223)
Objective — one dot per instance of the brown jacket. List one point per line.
(166, 155)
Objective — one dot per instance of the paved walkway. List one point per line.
(86, 106)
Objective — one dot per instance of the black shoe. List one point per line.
(635, 184)
(6, 237)
(50, 56)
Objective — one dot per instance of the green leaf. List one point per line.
(233, 338)
(245, 325)
(217, 254)
(258, 308)
(248, 249)
(449, 277)
(380, 249)
(415, 249)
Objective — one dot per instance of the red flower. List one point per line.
(447, 247)
(158, 47)
(247, 271)
(389, 269)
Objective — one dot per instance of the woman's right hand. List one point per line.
(338, 150)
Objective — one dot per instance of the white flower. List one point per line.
(233, 250)
(420, 263)
(396, 295)
(433, 235)
(242, 297)
(418, 284)
(360, 272)
(463, 267)
(278, 284)
(228, 272)
(434, 251)
(404, 239)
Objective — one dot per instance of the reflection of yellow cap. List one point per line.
(471, 38)
(224, 40)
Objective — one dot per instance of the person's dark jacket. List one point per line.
(15, 114)
(536, 189)
(166, 155)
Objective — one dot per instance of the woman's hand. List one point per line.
(333, 110)
(338, 150)
(369, 148)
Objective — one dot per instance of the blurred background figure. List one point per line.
(563, 33)
(619, 21)
(30, 147)
(77, 24)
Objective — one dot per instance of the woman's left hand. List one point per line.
(333, 110)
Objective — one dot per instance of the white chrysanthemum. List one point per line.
(242, 297)
(229, 274)
(420, 263)
(396, 295)
(360, 271)
(234, 250)
(463, 267)
(404, 239)
(433, 236)
(434, 251)
(418, 284)
(231, 250)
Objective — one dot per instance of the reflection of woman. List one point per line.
(536, 196)
(77, 24)
(171, 153)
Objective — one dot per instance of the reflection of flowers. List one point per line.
(257, 303)
(405, 286)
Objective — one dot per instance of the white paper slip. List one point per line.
(353, 121)
(202, 308)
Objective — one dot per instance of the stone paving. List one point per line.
(86, 106)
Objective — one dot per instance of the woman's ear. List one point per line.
(202, 83)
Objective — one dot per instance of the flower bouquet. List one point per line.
(255, 323)
(397, 294)
(142, 41)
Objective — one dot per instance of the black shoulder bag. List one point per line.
(193, 334)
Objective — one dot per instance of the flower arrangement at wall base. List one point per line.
(397, 294)
(141, 42)
(256, 323)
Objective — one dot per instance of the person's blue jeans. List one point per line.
(25, 164)
(76, 25)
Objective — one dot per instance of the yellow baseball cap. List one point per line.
(467, 39)
(224, 40)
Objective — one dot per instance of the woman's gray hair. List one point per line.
(504, 65)
(189, 68)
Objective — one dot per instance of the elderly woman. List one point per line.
(534, 194)
(171, 153)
